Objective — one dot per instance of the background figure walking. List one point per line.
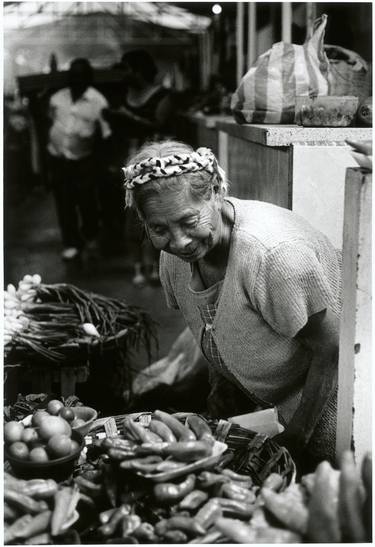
(77, 138)
(143, 113)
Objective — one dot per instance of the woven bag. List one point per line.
(349, 73)
(267, 92)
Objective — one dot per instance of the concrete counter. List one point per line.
(285, 135)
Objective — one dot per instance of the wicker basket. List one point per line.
(253, 453)
(248, 452)
(350, 74)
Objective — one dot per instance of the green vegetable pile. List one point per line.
(61, 321)
(38, 511)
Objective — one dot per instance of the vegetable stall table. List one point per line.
(160, 478)
(58, 334)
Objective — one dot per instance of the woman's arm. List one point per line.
(321, 335)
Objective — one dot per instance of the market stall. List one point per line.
(157, 477)
(81, 466)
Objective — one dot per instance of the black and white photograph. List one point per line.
(187, 272)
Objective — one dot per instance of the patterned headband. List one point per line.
(153, 168)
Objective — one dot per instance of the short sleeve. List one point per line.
(104, 125)
(166, 282)
(291, 286)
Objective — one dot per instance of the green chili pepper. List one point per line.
(171, 492)
(145, 533)
(188, 451)
(168, 465)
(88, 487)
(105, 516)
(120, 454)
(23, 502)
(232, 491)
(186, 524)
(116, 442)
(236, 509)
(40, 539)
(236, 477)
(200, 428)
(110, 527)
(207, 479)
(161, 429)
(208, 514)
(37, 525)
(209, 538)
(181, 432)
(195, 499)
(129, 524)
(136, 431)
(175, 536)
(147, 464)
(10, 513)
(161, 527)
(274, 481)
(235, 530)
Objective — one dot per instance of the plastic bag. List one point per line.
(268, 90)
(181, 360)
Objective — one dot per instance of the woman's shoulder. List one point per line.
(270, 225)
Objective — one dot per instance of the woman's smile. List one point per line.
(182, 226)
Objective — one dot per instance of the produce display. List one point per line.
(46, 437)
(166, 479)
(38, 511)
(59, 323)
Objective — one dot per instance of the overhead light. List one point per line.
(216, 9)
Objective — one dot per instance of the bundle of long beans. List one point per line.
(61, 323)
(253, 453)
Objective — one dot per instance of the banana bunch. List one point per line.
(15, 319)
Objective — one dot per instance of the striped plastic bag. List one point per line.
(268, 90)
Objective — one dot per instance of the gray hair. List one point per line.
(200, 183)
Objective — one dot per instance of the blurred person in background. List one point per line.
(76, 145)
(143, 113)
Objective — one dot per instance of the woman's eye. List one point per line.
(191, 223)
(158, 230)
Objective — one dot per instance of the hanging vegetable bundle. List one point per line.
(62, 324)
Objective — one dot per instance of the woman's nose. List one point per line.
(179, 242)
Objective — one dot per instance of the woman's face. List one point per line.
(183, 226)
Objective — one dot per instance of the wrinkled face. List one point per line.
(183, 226)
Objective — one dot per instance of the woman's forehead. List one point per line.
(172, 204)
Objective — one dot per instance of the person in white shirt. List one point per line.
(77, 129)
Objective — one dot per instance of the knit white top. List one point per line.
(280, 271)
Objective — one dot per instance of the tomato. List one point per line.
(19, 450)
(75, 446)
(38, 416)
(67, 414)
(59, 446)
(53, 425)
(54, 407)
(39, 454)
(13, 431)
(29, 435)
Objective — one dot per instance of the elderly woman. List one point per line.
(258, 286)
